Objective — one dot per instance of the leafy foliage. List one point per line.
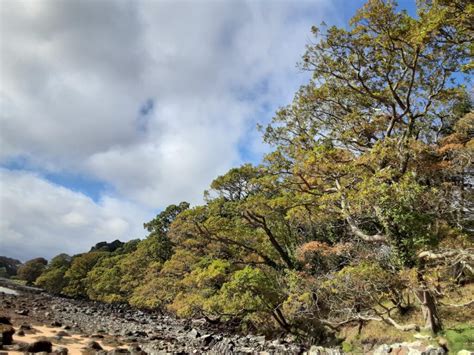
(361, 212)
(31, 270)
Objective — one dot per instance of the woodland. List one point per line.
(358, 223)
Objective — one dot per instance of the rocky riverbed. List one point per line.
(120, 329)
(80, 327)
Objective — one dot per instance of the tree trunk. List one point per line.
(430, 310)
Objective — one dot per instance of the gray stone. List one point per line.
(382, 350)
(194, 334)
(226, 346)
(319, 350)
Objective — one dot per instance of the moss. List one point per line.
(347, 347)
(460, 337)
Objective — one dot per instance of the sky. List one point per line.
(112, 110)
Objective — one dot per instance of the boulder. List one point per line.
(193, 333)
(136, 350)
(22, 312)
(226, 346)
(259, 339)
(6, 334)
(206, 339)
(62, 333)
(319, 350)
(61, 351)
(5, 320)
(25, 326)
(93, 345)
(40, 346)
(415, 348)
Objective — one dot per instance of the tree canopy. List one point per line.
(362, 211)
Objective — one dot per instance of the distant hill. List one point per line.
(8, 266)
(110, 247)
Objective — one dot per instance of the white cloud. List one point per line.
(75, 75)
(43, 219)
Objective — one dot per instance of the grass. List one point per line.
(18, 281)
(458, 332)
(460, 337)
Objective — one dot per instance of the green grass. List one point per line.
(460, 337)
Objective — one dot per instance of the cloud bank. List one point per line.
(153, 98)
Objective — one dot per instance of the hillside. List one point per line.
(356, 228)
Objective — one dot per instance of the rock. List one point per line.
(5, 320)
(118, 351)
(276, 342)
(61, 351)
(19, 347)
(431, 350)
(93, 345)
(138, 333)
(25, 326)
(40, 346)
(136, 350)
(226, 346)
(260, 340)
(415, 348)
(290, 338)
(382, 350)
(319, 350)
(207, 339)
(62, 333)
(6, 334)
(443, 342)
(56, 324)
(22, 312)
(193, 333)
(20, 333)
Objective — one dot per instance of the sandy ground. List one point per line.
(74, 343)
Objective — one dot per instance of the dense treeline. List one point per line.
(362, 212)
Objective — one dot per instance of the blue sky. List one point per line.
(106, 120)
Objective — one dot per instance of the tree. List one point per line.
(76, 275)
(9, 266)
(53, 278)
(31, 270)
(361, 213)
(359, 146)
(103, 281)
(156, 248)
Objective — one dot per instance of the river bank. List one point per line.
(85, 327)
(73, 324)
